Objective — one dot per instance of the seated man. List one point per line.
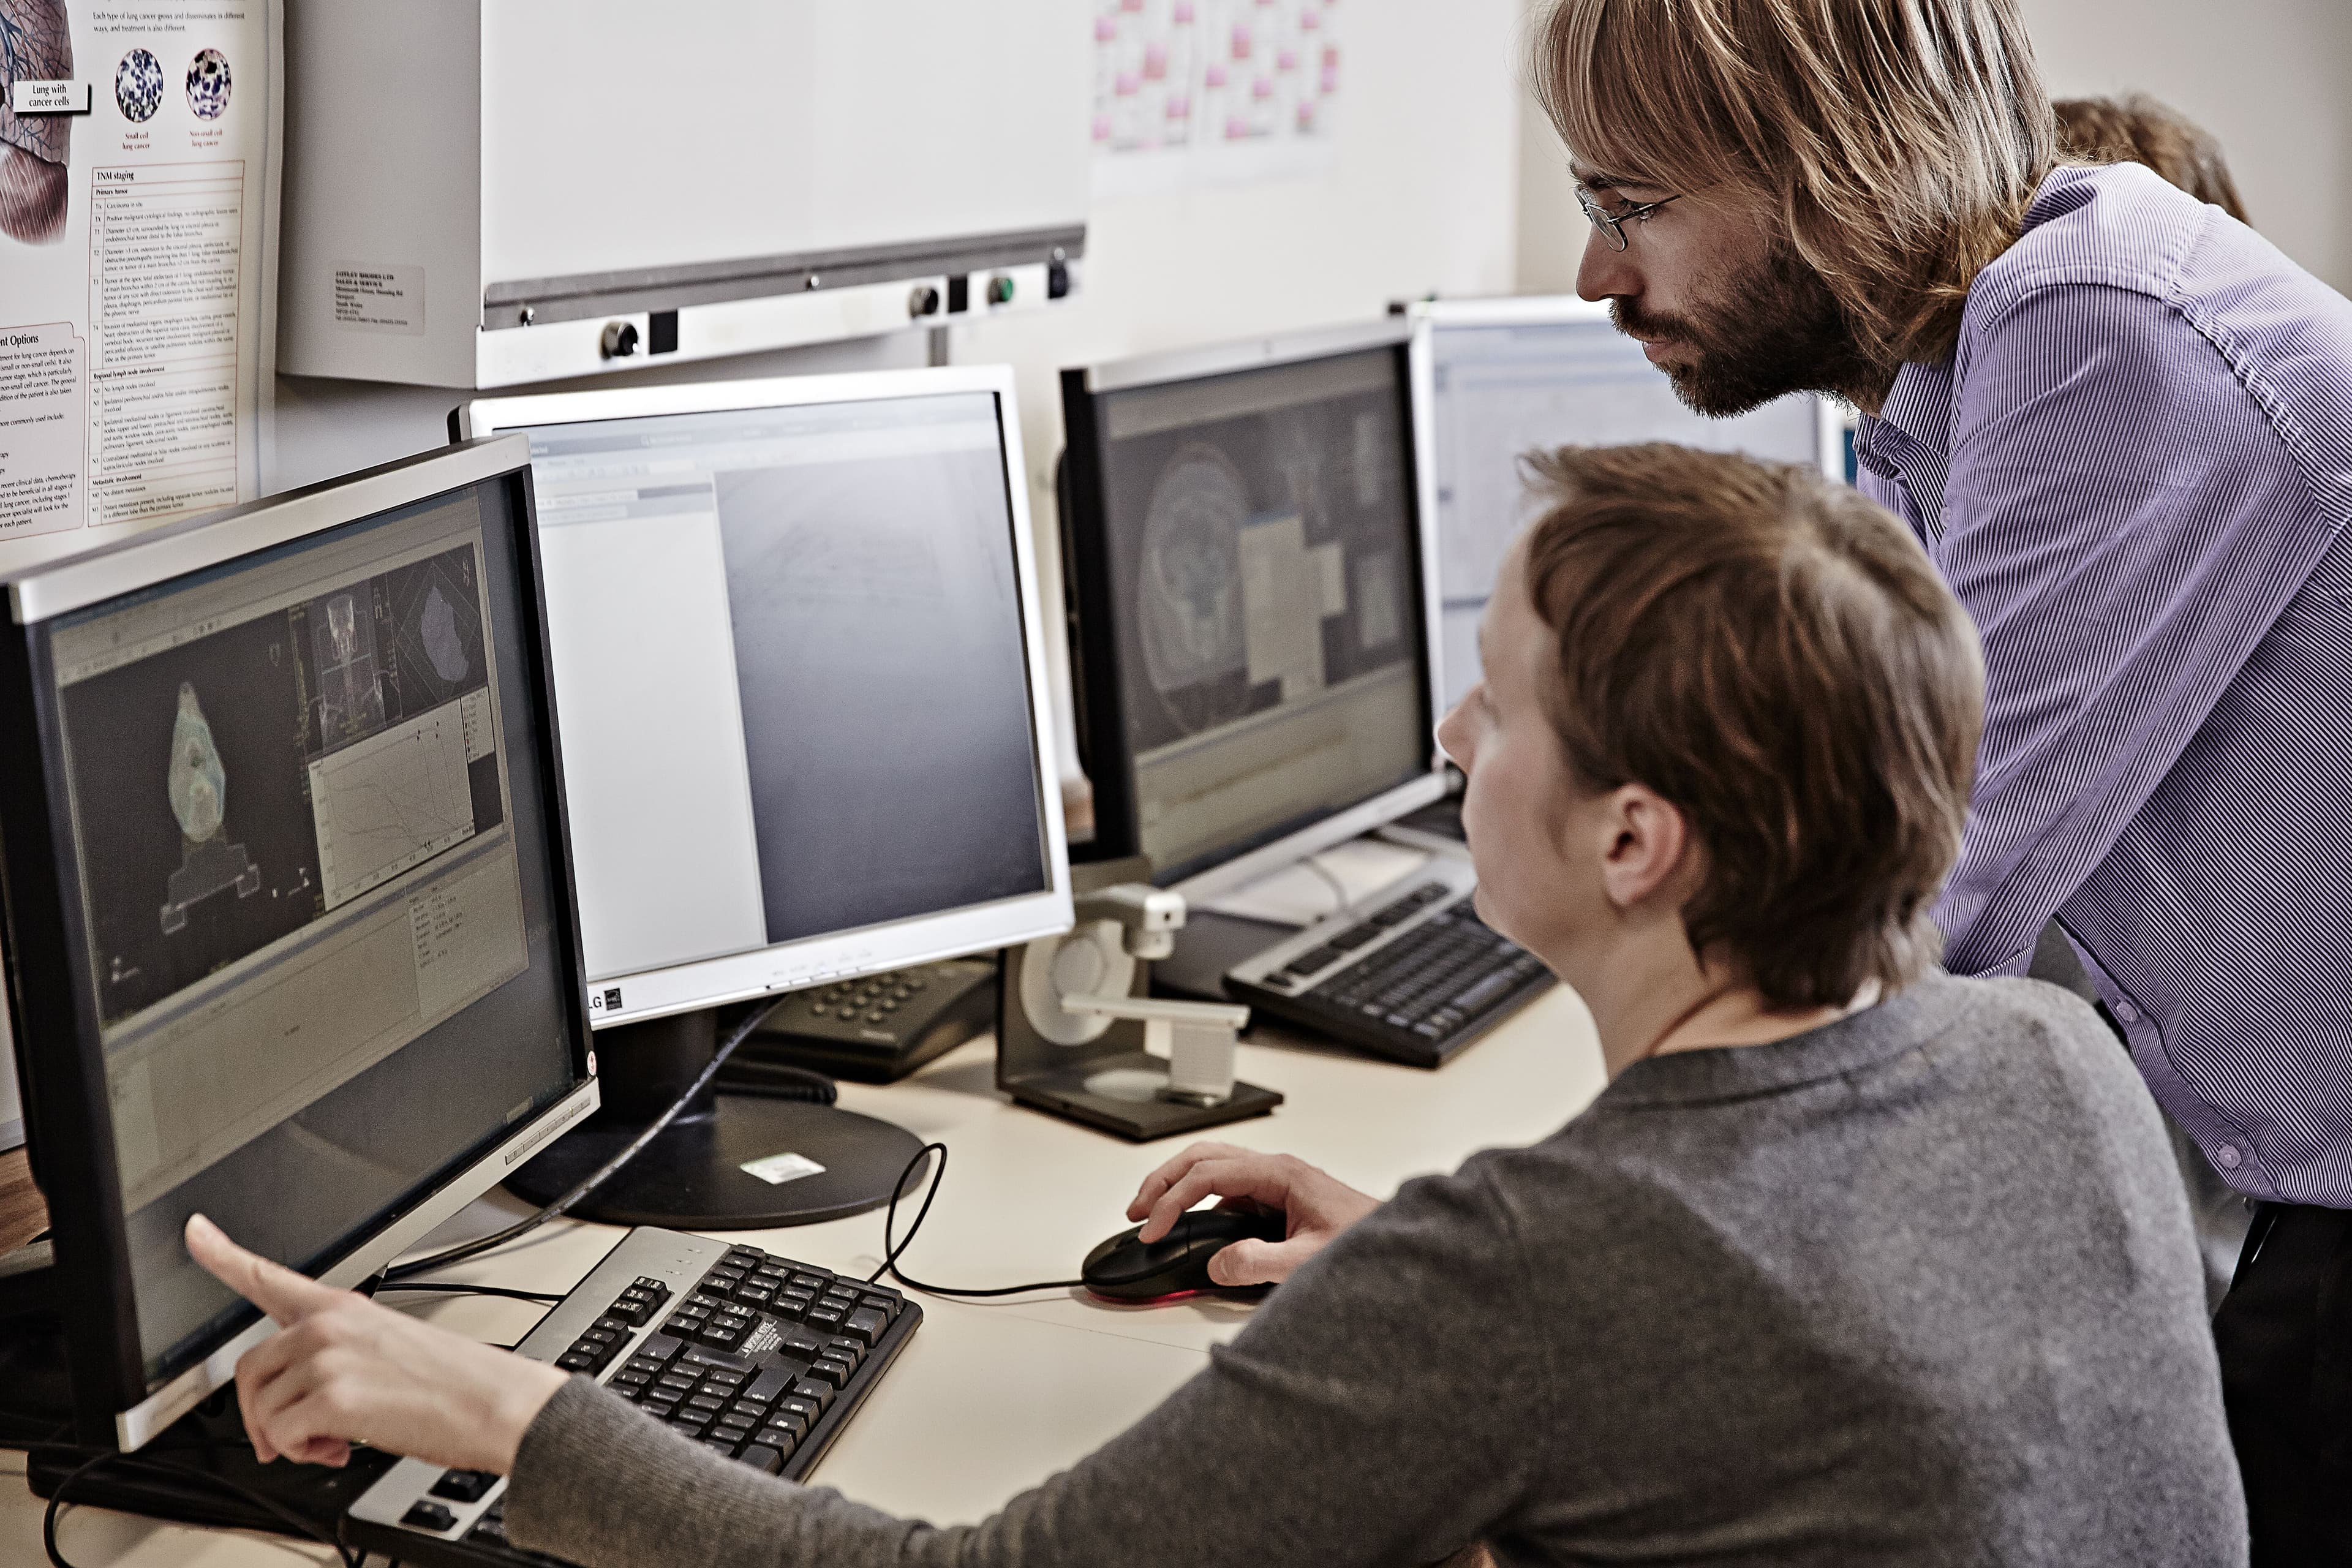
(1775, 1297)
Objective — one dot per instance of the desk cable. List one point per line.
(294, 1523)
(820, 1092)
(892, 1251)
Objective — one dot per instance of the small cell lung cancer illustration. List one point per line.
(196, 784)
(139, 86)
(208, 84)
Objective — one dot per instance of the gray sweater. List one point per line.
(1915, 1288)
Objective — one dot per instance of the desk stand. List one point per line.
(692, 1177)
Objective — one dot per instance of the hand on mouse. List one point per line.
(346, 1370)
(1316, 1206)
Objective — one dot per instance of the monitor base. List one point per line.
(693, 1176)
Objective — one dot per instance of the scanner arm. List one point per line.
(1198, 1037)
(1149, 918)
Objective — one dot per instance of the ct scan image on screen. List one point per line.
(1264, 561)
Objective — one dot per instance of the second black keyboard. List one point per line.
(1415, 980)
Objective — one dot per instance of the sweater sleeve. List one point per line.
(1381, 1407)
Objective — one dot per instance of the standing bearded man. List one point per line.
(2121, 424)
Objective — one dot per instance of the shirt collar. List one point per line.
(1910, 439)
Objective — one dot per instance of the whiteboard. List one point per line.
(618, 135)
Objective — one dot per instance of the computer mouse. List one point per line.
(1128, 1271)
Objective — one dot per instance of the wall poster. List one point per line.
(138, 173)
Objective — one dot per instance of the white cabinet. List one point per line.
(483, 192)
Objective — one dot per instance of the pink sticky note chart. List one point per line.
(1241, 43)
(1105, 29)
(1102, 127)
(1263, 88)
(1126, 84)
(1179, 106)
(1330, 82)
(1184, 14)
(1310, 20)
(1215, 76)
(1238, 128)
(1287, 59)
(1306, 117)
(1155, 62)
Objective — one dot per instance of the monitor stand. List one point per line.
(692, 1177)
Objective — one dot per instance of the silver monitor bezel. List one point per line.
(669, 989)
(1425, 319)
(41, 593)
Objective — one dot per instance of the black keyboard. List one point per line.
(755, 1356)
(1416, 980)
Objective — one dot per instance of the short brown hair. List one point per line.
(2139, 130)
(1897, 145)
(1774, 654)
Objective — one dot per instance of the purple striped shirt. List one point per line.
(2136, 473)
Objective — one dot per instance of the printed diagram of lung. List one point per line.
(35, 45)
(198, 787)
(350, 702)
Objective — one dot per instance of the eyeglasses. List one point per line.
(1613, 224)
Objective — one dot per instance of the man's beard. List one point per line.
(1778, 329)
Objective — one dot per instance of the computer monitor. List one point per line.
(290, 933)
(1244, 558)
(798, 640)
(1493, 379)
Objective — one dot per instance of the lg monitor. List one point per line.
(798, 640)
(290, 933)
(1493, 379)
(1244, 557)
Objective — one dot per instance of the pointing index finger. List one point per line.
(285, 1296)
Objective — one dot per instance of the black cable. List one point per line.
(294, 1521)
(444, 1288)
(603, 1173)
(891, 1251)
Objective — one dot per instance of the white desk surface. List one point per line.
(991, 1398)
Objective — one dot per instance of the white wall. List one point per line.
(1421, 197)
(2268, 77)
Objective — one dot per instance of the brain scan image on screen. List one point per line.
(1191, 588)
(197, 784)
(35, 45)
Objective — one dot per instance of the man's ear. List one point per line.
(1645, 843)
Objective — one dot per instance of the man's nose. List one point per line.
(1606, 272)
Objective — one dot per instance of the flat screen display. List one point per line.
(790, 654)
(315, 901)
(1267, 595)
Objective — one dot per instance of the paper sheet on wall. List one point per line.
(139, 170)
(1202, 92)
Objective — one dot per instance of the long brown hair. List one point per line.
(1896, 143)
(1774, 654)
(2139, 130)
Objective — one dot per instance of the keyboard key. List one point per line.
(697, 1360)
(629, 1382)
(759, 1457)
(766, 1386)
(828, 1319)
(464, 1486)
(801, 1347)
(681, 1380)
(661, 1409)
(493, 1530)
(1479, 995)
(658, 1348)
(688, 1425)
(865, 1324)
(811, 1283)
(791, 1305)
(816, 1390)
(426, 1514)
(850, 1350)
(782, 1439)
(794, 1407)
(721, 1447)
(576, 1360)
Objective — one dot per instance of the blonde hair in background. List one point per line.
(1897, 142)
